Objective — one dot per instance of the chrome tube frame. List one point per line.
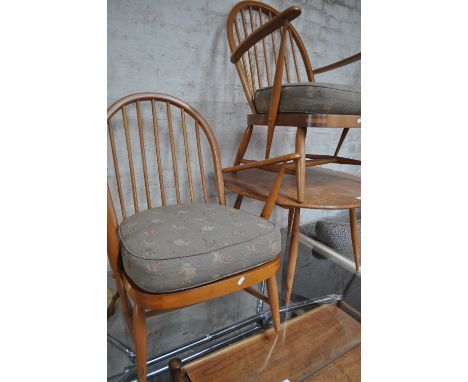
(259, 301)
(262, 321)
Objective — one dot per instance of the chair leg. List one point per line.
(238, 202)
(354, 236)
(140, 337)
(244, 143)
(301, 134)
(273, 300)
(290, 220)
(292, 257)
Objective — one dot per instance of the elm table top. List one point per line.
(324, 188)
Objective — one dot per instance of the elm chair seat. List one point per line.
(168, 249)
(312, 97)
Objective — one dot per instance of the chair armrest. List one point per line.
(271, 199)
(272, 25)
(264, 162)
(338, 64)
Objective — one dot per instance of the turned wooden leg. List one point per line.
(238, 202)
(140, 337)
(126, 306)
(354, 236)
(244, 143)
(292, 257)
(273, 301)
(300, 164)
(290, 220)
(175, 369)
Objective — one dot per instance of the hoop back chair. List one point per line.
(272, 63)
(150, 283)
(279, 83)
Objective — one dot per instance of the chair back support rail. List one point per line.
(139, 172)
(255, 33)
(124, 154)
(256, 42)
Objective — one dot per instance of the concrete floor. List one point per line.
(315, 276)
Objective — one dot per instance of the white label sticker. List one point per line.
(241, 280)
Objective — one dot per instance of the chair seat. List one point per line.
(168, 249)
(312, 97)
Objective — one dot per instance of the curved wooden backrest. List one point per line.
(257, 66)
(155, 144)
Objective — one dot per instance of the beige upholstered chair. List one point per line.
(280, 87)
(167, 255)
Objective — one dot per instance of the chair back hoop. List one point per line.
(144, 131)
(257, 66)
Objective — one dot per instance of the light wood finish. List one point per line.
(176, 300)
(338, 64)
(130, 158)
(243, 145)
(271, 23)
(276, 95)
(290, 219)
(292, 256)
(200, 162)
(317, 161)
(138, 304)
(140, 338)
(355, 237)
(301, 134)
(321, 338)
(143, 154)
(324, 189)
(116, 167)
(273, 300)
(255, 36)
(256, 293)
(277, 22)
(330, 121)
(261, 163)
(158, 152)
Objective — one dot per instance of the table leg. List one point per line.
(355, 237)
(290, 220)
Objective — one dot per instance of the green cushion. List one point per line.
(172, 248)
(312, 97)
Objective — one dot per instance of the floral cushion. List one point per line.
(312, 97)
(172, 248)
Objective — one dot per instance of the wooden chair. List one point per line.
(267, 72)
(147, 284)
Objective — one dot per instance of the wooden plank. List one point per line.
(347, 368)
(304, 346)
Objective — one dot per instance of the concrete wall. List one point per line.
(180, 48)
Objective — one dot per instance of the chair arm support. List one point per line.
(338, 64)
(275, 23)
(273, 195)
(262, 163)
